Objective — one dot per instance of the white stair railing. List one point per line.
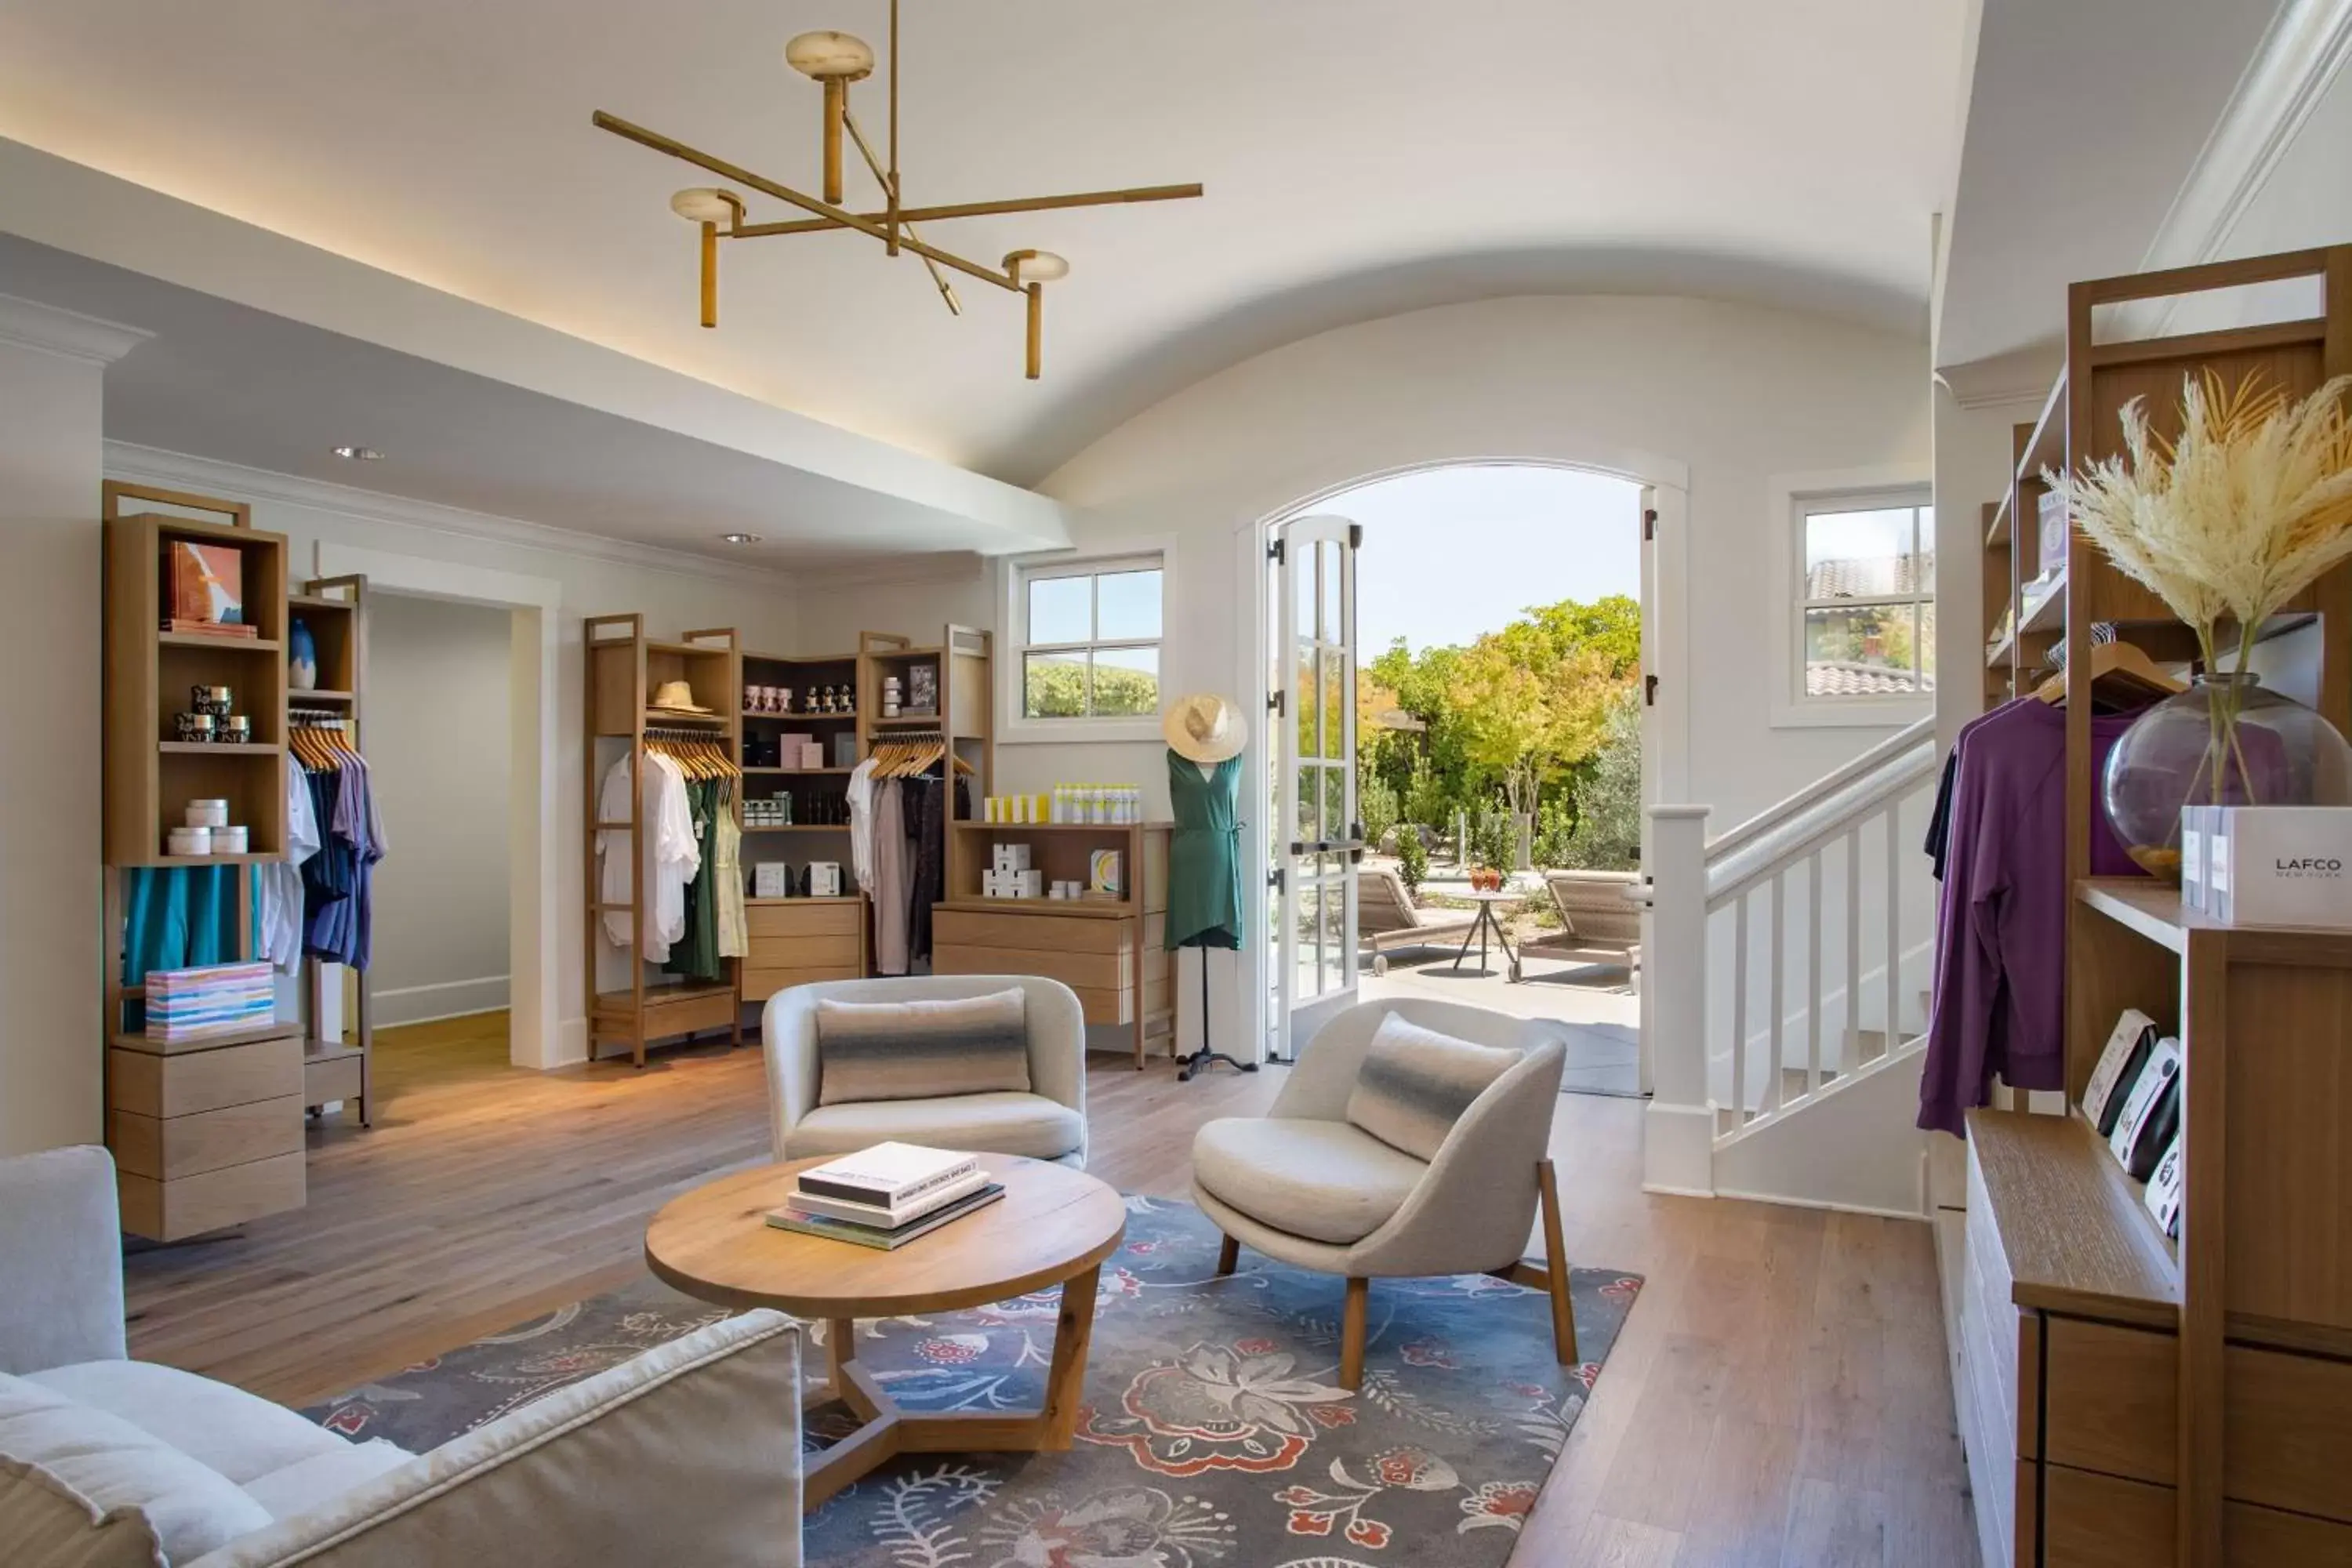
(1803, 905)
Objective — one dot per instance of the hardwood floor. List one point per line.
(1778, 1397)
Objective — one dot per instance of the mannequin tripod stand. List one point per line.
(1200, 1060)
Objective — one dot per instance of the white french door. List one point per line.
(1318, 835)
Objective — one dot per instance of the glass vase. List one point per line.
(2226, 741)
(301, 658)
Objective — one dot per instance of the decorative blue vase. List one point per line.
(301, 658)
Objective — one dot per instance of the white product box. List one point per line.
(2280, 866)
(771, 880)
(1009, 857)
(2195, 836)
(824, 879)
(1013, 884)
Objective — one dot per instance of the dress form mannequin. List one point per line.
(1204, 905)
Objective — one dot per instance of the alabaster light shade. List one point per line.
(705, 204)
(827, 55)
(1029, 266)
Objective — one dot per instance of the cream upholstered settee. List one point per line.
(690, 1453)
(1049, 1122)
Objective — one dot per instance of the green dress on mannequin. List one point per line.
(1205, 873)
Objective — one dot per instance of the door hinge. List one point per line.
(1274, 553)
(1649, 523)
(1355, 536)
(1274, 880)
(1649, 691)
(1274, 703)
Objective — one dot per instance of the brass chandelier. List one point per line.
(833, 61)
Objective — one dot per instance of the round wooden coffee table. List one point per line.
(1054, 1226)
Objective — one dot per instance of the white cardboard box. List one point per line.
(1009, 857)
(771, 880)
(2280, 866)
(825, 879)
(2195, 835)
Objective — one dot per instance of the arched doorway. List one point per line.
(1462, 663)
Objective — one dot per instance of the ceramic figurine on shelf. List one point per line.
(301, 657)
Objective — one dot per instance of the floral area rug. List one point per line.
(1214, 1433)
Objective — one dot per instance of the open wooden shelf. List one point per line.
(207, 640)
(1095, 909)
(218, 748)
(2074, 1234)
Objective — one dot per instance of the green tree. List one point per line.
(1608, 831)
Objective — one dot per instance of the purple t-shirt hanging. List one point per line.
(2000, 944)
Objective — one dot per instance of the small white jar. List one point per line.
(229, 840)
(191, 841)
(207, 814)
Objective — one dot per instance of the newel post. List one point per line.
(1678, 1135)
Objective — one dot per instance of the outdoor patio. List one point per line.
(1598, 1003)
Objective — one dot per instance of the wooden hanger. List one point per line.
(2122, 676)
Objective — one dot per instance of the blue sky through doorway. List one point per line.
(1454, 552)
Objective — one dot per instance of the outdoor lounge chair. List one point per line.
(1387, 917)
(1598, 923)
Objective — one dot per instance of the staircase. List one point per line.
(1788, 973)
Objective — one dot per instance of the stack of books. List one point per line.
(188, 1004)
(210, 628)
(886, 1197)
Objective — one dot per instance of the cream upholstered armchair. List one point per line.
(1048, 1122)
(1307, 1186)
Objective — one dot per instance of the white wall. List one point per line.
(51, 404)
(437, 722)
(440, 550)
(1734, 393)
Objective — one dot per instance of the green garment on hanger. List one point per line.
(696, 954)
(1204, 856)
(175, 917)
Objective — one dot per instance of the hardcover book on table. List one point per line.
(887, 1174)
(805, 1224)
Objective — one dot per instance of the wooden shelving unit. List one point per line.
(2127, 1399)
(206, 1133)
(624, 670)
(801, 940)
(1112, 951)
(336, 1068)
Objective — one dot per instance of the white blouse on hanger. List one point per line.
(672, 857)
(861, 824)
(279, 934)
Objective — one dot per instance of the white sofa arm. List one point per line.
(60, 1260)
(690, 1453)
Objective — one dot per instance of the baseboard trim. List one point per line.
(1784, 1199)
(443, 999)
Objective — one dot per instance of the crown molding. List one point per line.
(2022, 375)
(182, 470)
(30, 324)
(2298, 59)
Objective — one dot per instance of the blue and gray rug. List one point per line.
(1215, 1433)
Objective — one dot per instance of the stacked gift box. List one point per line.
(184, 1004)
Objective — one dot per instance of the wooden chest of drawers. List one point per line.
(205, 1134)
(2068, 1387)
(796, 941)
(1112, 954)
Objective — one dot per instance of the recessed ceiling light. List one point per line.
(740, 537)
(360, 454)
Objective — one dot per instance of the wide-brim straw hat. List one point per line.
(676, 697)
(1205, 728)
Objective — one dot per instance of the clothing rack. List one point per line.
(334, 1068)
(626, 668)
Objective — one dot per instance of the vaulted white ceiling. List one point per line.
(1361, 157)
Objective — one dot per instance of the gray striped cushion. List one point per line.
(920, 1050)
(1415, 1083)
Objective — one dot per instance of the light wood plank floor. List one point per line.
(1779, 1397)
